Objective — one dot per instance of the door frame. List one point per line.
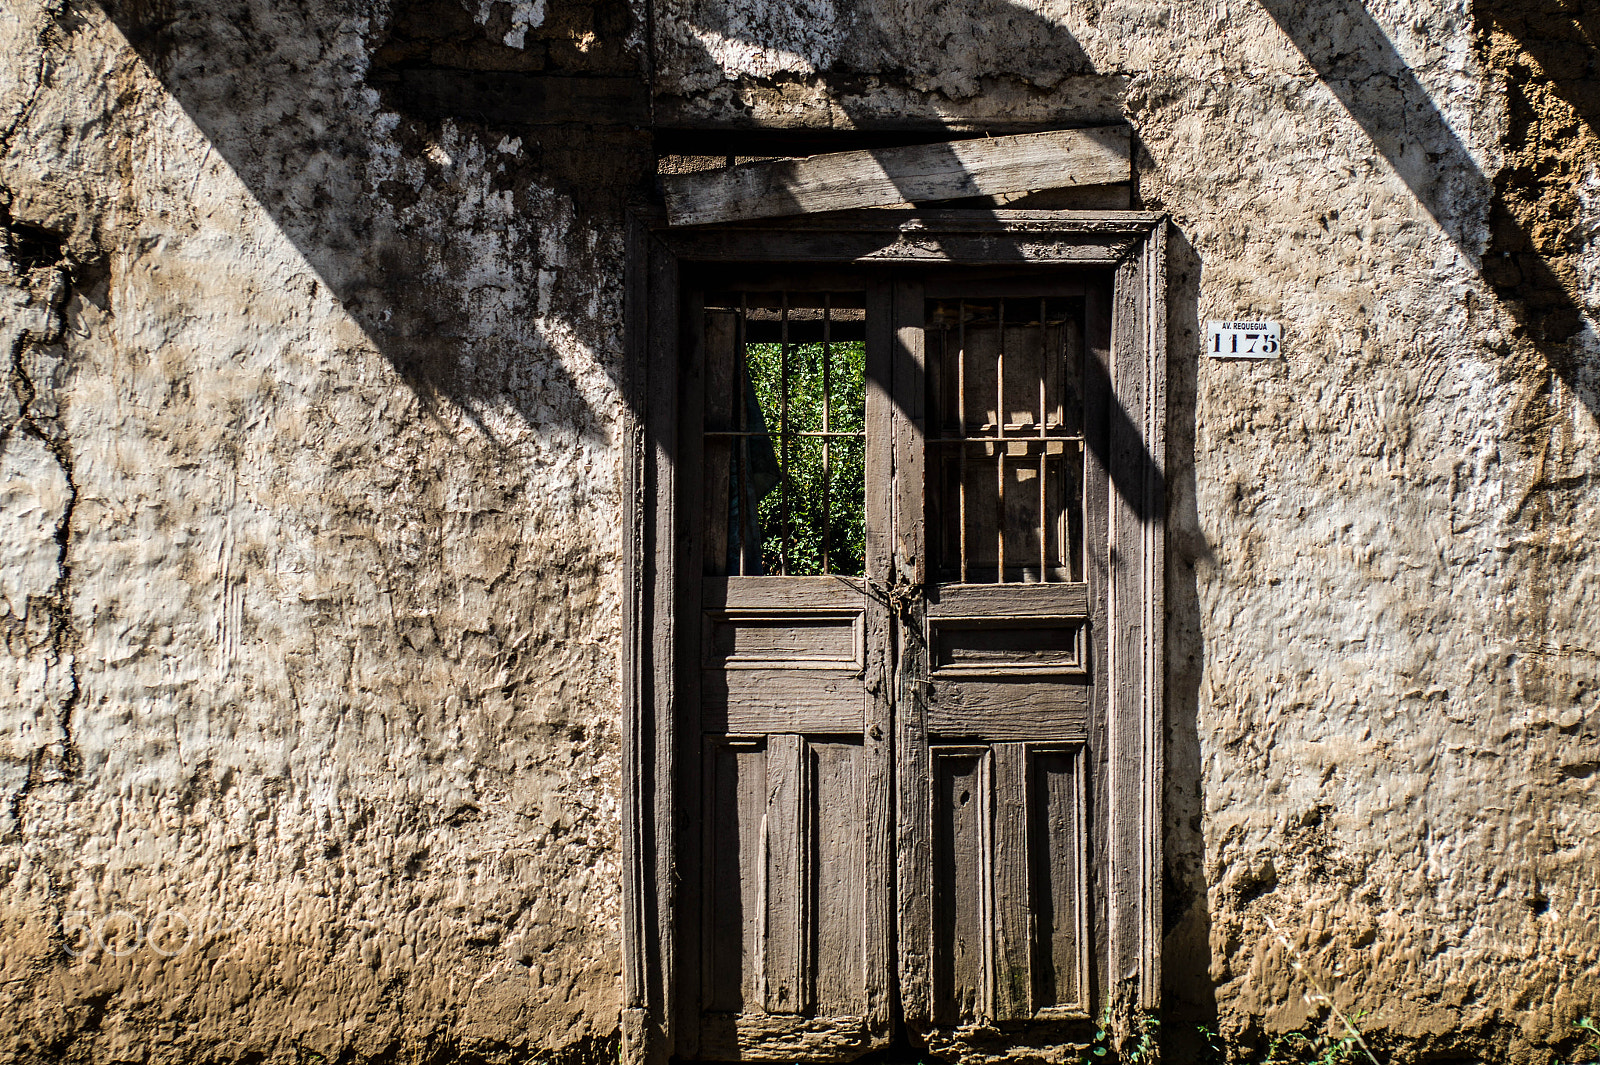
(1131, 245)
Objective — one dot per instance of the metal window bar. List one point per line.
(785, 463)
(1057, 440)
(1000, 449)
(961, 425)
(741, 386)
(827, 425)
(752, 540)
(1044, 499)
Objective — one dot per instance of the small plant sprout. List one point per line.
(1336, 1050)
(1144, 1045)
(1589, 1053)
(1141, 1047)
(1100, 1048)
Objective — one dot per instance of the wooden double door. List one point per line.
(892, 506)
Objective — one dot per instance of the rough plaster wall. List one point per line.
(863, 64)
(1383, 680)
(948, 49)
(1389, 661)
(307, 555)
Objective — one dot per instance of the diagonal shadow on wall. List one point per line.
(432, 253)
(1353, 55)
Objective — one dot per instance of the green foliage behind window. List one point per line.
(825, 510)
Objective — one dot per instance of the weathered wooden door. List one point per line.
(789, 679)
(894, 670)
(914, 499)
(998, 723)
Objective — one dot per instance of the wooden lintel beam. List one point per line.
(921, 173)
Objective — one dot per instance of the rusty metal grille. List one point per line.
(1006, 438)
(785, 436)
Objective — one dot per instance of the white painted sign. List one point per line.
(1244, 340)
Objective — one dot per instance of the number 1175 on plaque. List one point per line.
(1244, 340)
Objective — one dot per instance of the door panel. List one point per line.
(789, 659)
(794, 782)
(962, 866)
(1010, 937)
(736, 873)
(1007, 711)
(1004, 656)
(1058, 840)
(977, 646)
(839, 868)
(784, 891)
(757, 641)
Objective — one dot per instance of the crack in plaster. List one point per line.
(61, 638)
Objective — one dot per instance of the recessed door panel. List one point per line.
(736, 874)
(962, 881)
(839, 871)
(1058, 835)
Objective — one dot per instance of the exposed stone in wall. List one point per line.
(1547, 60)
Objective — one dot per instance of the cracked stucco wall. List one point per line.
(307, 587)
(37, 495)
(309, 485)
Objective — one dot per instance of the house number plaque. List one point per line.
(1244, 340)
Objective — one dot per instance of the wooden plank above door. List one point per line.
(920, 173)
